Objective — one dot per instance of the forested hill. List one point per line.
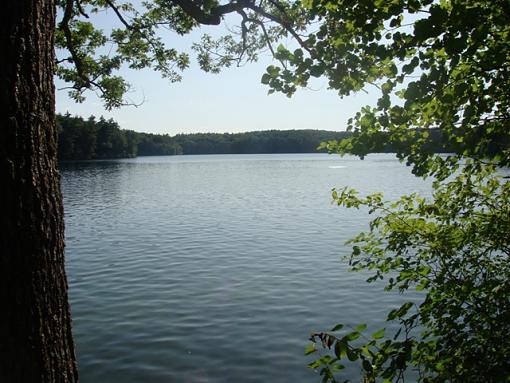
(85, 139)
(268, 141)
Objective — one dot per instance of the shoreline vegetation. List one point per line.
(98, 139)
(92, 139)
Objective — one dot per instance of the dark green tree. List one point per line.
(81, 139)
(77, 138)
(131, 143)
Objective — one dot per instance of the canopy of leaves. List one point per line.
(437, 64)
(138, 37)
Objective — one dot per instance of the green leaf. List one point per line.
(366, 365)
(378, 334)
(352, 336)
(340, 349)
(337, 367)
(352, 355)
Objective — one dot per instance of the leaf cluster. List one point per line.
(437, 66)
(440, 67)
(89, 58)
(454, 248)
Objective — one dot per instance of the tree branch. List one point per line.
(119, 15)
(64, 24)
(281, 22)
(216, 14)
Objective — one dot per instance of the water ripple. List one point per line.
(215, 268)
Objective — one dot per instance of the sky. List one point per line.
(231, 101)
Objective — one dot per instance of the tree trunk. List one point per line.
(36, 344)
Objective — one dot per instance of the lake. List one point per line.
(216, 268)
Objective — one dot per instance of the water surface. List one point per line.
(216, 268)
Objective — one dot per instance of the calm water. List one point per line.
(216, 268)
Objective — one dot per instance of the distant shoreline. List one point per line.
(184, 155)
(99, 139)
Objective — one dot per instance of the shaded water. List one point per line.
(216, 268)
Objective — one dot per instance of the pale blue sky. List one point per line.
(232, 101)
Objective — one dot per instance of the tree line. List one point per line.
(88, 139)
(92, 138)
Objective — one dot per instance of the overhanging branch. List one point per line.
(215, 15)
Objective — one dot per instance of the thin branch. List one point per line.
(119, 15)
(216, 14)
(68, 59)
(244, 32)
(283, 23)
(80, 9)
(64, 24)
(246, 18)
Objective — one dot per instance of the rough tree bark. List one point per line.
(36, 344)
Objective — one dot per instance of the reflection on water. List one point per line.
(215, 268)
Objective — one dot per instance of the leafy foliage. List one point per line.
(89, 57)
(88, 64)
(455, 248)
(439, 66)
